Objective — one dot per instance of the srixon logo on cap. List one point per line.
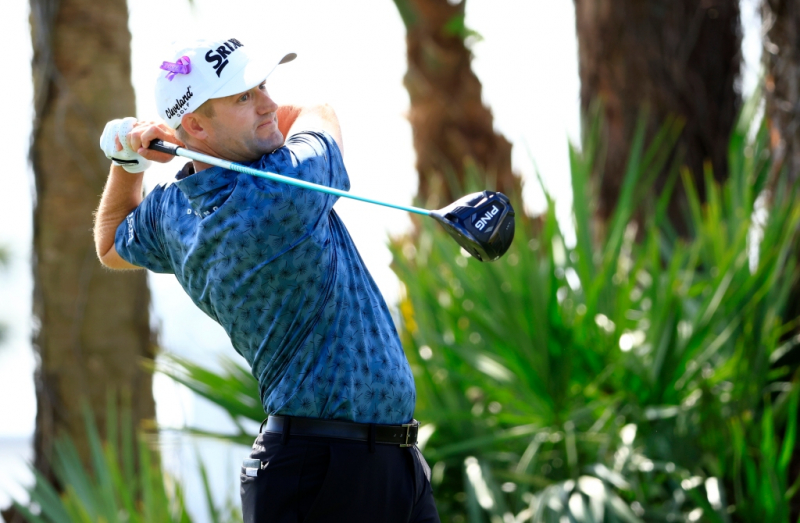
(219, 55)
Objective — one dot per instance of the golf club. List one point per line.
(482, 223)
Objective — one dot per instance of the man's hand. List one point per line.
(145, 132)
(125, 142)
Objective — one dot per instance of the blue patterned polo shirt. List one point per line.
(275, 266)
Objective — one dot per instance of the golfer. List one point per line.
(275, 266)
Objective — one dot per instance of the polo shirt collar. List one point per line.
(206, 181)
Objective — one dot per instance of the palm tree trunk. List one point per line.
(782, 64)
(93, 326)
(453, 131)
(781, 56)
(676, 58)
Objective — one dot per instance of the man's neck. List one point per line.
(200, 166)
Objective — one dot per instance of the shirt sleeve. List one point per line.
(316, 158)
(319, 159)
(138, 238)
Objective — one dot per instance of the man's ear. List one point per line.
(194, 125)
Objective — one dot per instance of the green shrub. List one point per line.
(125, 483)
(625, 375)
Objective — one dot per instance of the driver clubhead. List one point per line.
(482, 223)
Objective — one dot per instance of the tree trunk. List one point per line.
(93, 327)
(782, 65)
(675, 57)
(781, 57)
(452, 129)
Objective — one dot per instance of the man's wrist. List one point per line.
(124, 188)
(119, 171)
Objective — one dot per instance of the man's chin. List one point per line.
(261, 147)
(274, 142)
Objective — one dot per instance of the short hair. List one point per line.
(206, 109)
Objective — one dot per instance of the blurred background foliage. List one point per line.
(123, 483)
(625, 374)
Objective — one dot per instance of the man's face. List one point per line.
(244, 126)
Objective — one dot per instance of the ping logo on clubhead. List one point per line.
(482, 222)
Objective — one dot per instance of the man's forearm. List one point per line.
(121, 195)
(317, 116)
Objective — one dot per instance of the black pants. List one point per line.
(316, 480)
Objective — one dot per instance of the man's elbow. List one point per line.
(112, 260)
(326, 111)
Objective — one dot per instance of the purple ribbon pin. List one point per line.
(182, 66)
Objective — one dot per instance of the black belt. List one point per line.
(404, 435)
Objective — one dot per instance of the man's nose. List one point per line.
(266, 103)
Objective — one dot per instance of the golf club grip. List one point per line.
(164, 147)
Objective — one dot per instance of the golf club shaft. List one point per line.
(165, 147)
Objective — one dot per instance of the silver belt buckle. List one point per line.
(407, 426)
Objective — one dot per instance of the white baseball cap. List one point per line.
(207, 69)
